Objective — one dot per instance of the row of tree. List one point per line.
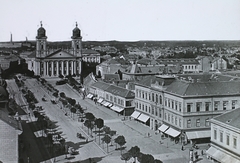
(141, 157)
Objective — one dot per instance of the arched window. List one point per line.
(160, 99)
(156, 98)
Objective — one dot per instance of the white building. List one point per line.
(225, 137)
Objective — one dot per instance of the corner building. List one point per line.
(182, 109)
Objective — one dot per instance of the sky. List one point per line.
(121, 20)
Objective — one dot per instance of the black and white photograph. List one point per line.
(119, 81)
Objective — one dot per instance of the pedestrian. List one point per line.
(182, 148)
(202, 152)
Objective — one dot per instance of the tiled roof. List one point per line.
(119, 91)
(230, 118)
(146, 61)
(101, 85)
(111, 77)
(184, 88)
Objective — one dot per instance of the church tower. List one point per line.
(41, 42)
(77, 41)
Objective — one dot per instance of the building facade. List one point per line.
(185, 107)
(225, 138)
(54, 62)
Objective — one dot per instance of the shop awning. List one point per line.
(103, 102)
(172, 132)
(100, 100)
(106, 103)
(221, 156)
(117, 109)
(163, 128)
(110, 105)
(143, 118)
(135, 114)
(198, 134)
(89, 95)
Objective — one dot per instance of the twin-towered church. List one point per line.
(52, 63)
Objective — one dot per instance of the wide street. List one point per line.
(134, 132)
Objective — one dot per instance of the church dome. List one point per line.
(76, 32)
(41, 32)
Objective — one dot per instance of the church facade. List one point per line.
(47, 62)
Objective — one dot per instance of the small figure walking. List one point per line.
(182, 148)
(202, 152)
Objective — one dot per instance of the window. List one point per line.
(207, 122)
(115, 99)
(143, 95)
(176, 105)
(175, 120)
(153, 111)
(173, 104)
(199, 106)
(225, 105)
(198, 123)
(216, 105)
(165, 102)
(235, 142)
(168, 103)
(215, 134)
(189, 107)
(165, 116)
(118, 101)
(160, 97)
(207, 106)
(168, 118)
(136, 93)
(122, 102)
(149, 96)
(221, 136)
(189, 123)
(180, 122)
(153, 97)
(172, 118)
(156, 98)
(180, 107)
(111, 98)
(160, 115)
(143, 107)
(149, 109)
(146, 108)
(107, 96)
(146, 96)
(227, 139)
(136, 105)
(156, 114)
(140, 106)
(234, 104)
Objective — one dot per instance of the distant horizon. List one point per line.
(118, 41)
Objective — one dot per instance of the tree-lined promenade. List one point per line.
(106, 136)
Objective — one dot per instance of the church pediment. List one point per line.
(60, 54)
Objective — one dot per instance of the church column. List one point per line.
(57, 68)
(67, 68)
(79, 67)
(47, 68)
(72, 68)
(62, 69)
(44, 68)
(52, 69)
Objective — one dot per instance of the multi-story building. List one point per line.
(117, 98)
(225, 137)
(185, 107)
